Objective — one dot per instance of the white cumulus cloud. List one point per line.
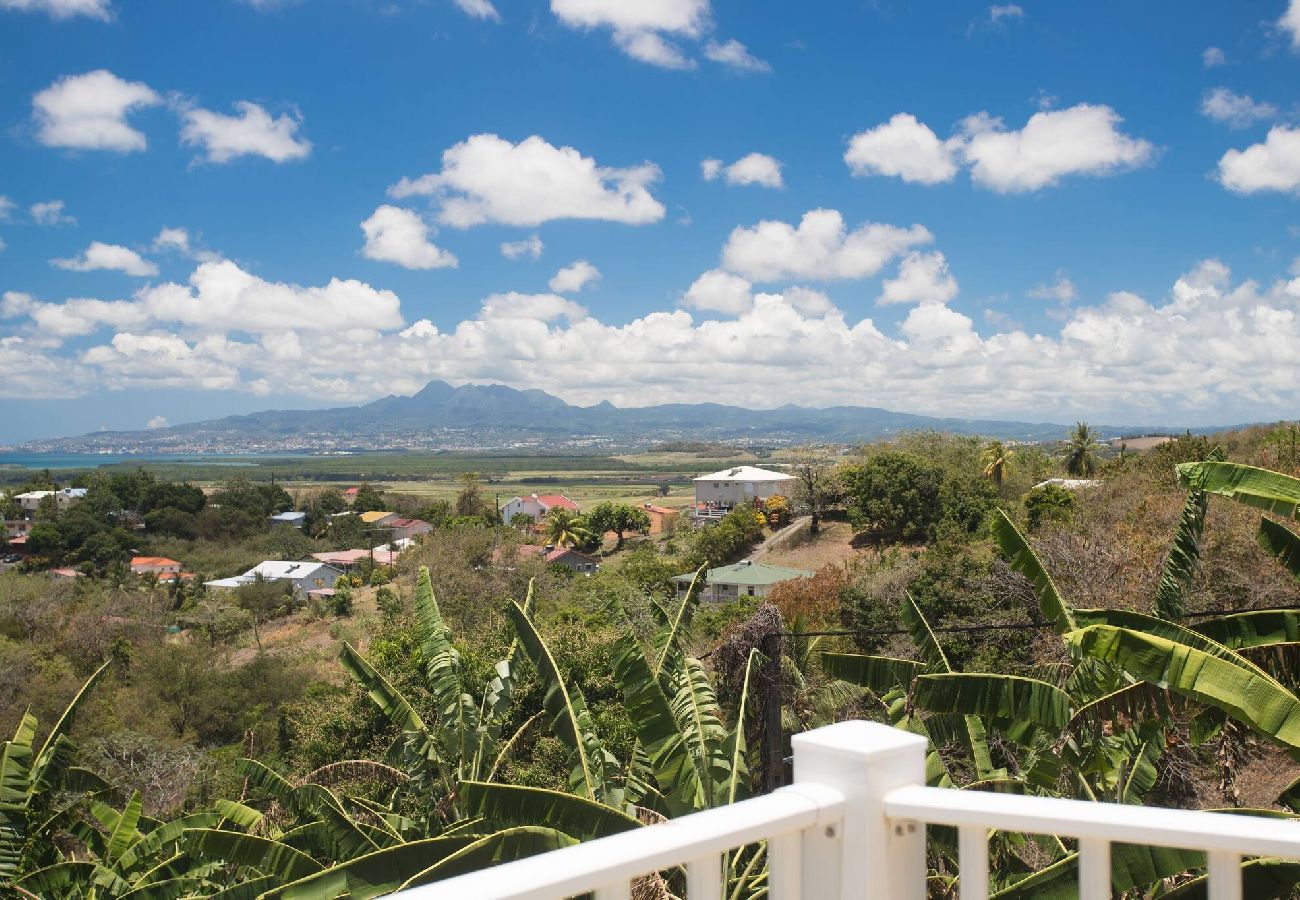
(1061, 289)
(753, 168)
(1273, 165)
(905, 148)
(488, 179)
(736, 55)
(719, 291)
(88, 112)
(63, 9)
(529, 247)
(50, 212)
(922, 278)
(640, 28)
(157, 422)
(252, 132)
(1290, 23)
(574, 277)
(400, 236)
(1081, 140)
(820, 247)
(479, 9)
(111, 257)
(1235, 110)
(1212, 57)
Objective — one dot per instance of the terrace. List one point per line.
(853, 825)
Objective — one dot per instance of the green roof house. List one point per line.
(744, 579)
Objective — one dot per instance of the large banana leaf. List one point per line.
(923, 635)
(267, 856)
(512, 805)
(501, 688)
(571, 721)
(504, 846)
(1130, 867)
(1260, 488)
(372, 874)
(1261, 879)
(457, 713)
(1184, 555)
(388, 698)
(146, 850)
(56, 753)
(668, 641)
(15, 784)
(679, 773)
(1004, 698)
(1254, 699)
(1282, 543)
(1134, 621)
(876, 673)
(124, 832)
(699, 719)
(1259, 628)
(1022, 558)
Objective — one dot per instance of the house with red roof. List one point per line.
(536, 506)
(406, 528)
(157, 565)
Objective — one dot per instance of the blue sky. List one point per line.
(1019, 209)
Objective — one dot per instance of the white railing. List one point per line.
(853, 826)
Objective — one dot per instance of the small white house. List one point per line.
(536, 506)
(303, 576)
(739, 486)
(30, 502)
(295, 519)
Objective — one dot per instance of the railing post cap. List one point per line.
(858, 738)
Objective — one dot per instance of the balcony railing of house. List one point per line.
(852, 825)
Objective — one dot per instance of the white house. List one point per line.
(292, 518)
(744, 579)
(536, 506)
(303, 576)
(30, 502)
(738, 486)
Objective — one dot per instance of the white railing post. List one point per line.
(866, 855)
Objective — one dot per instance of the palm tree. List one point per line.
(1080, 450)
(565, 528)
(996, 462)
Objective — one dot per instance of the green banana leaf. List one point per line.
(1256, 700)
(1021, 557)
(124, 833)
(512, 805)
(371, 874)
(1260, 488)
(1006, 698)
(876, 673)
(504, 846)
(570, 719)
(1183, 558)
(1238, 631)
(1261, 879)
(267, 856)
(736, 785)
(1281, 542)
(15, 787)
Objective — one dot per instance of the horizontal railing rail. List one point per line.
(853, 826)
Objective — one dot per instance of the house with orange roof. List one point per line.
(663, 519)
(155, 565)
(536, 506)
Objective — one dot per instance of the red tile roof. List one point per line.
(153, 561)
(553, 500)
(561, 552)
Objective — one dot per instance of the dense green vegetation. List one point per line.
(481, 705)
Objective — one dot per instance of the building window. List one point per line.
(751, 592)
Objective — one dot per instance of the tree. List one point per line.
(331, 501)
(565, 528)
(777, 508)
(368, 500)
(1081, 451)
(897, 495)
(469, 502)
(263, 600)
(618, 518)
(1049, 503)
(816, 488)
(997, 462)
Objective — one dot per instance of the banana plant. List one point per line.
(465, 742)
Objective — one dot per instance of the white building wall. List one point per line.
(742, 492)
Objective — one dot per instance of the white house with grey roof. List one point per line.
(302, 576)
(719, 492)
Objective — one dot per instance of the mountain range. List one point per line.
(494, 416)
